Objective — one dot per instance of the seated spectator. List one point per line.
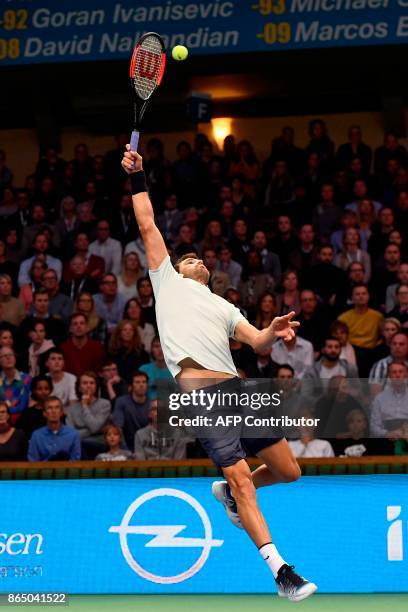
(380, 235)
(146, 300)
(37, 225)
(263, 366)
(137, 246)
(234, 297)
(391, 149)
(55, 441)
(355, 441)
(109, 303)
(385, 274)
(64, 383)
(112, 385)
(366, 218)
(355, 276)
(85, 304)
(170, 220)
(306, 253)
(266, 310)
(390, 407)
(39, 345)
(218, 281)
(364, 327)
(324, 278)
(297, 353)
(113, 435)
(134, 312)
(308, 445)
(126, 349)
(391, 298)
(33, 417)
(388, 328)
(270, 261)
(313, 320)
(279, 193)
(68, 223)
(327, 215)
(89, 415)
(351, 251)
(150, 443)
(398, 354)
(246, 165)
(95, 265)
(78, 281)
(14, 385)
(355, 147)
(254, 281)
(285, 240)
(12, 308)
(230, 267)
(13, 442)
(41, 247)
(400, 311)
(80, 351)
(316, 376)
(339, 330)
(239, 243)
(288, 299)
(39, 311)
(108, 248)
(157, 369)
(184, 242)
(123, 222)
(131, 410)
(131, 272)
(213, 237)
(335, 404)
(360, 193)
(60, 304)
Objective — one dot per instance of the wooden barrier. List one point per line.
(194, 467)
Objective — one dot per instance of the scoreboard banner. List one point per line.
(346, 533)
(40, 31)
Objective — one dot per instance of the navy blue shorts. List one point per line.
(228, 448)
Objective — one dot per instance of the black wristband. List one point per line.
(138, 182)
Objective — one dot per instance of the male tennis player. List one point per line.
(195, 326)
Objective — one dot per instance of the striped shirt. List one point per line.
(378, 372)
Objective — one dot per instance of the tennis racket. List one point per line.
(146, 73)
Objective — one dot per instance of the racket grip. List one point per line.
(134, 140)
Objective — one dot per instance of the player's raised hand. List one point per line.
(131, 161)
(284, 327)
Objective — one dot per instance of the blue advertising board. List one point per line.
(171, 536)
(37, 31)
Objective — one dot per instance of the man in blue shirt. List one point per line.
(55, 441)
(157, 369)
(132, 410)
(109, 303)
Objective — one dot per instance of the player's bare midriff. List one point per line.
(194, 376)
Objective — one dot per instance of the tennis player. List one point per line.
(195, 326)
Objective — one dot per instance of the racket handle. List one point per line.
(134, 140)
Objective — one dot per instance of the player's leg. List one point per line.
(280, 465)
(242, 489)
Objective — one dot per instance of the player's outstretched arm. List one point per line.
(258, 339)
(153, 240)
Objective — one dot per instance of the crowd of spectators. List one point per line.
(322, 231)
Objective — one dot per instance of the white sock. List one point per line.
(273, 559)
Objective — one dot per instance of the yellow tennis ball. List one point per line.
(179, 53)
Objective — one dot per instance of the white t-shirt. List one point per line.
(192, 321)
(65, 389)
(315, 448)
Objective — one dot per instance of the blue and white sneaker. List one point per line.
(293, 586)
(221, 492)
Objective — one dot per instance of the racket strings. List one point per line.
(147, 67)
